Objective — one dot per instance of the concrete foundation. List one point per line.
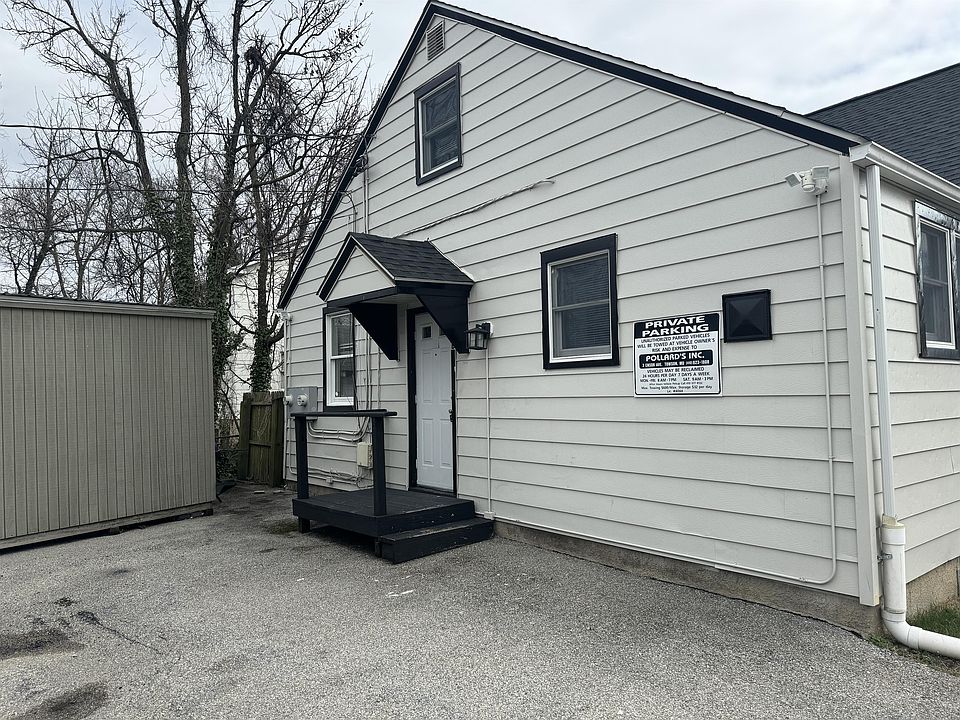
(940, 585)
(840, 610)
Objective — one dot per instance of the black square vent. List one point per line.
(746, 316)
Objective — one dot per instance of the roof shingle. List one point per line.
(916, 119)
(415, 260)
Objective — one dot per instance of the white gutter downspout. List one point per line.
(892, 532)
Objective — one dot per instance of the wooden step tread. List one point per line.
(411, 544)
(435, 529)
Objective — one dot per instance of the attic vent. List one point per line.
(434, 41)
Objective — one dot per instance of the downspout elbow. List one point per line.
(894, 613)
(919, 639)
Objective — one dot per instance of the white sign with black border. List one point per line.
(677, 355)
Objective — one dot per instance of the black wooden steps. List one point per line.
(406, 510)
(411, 544)
(416, 523)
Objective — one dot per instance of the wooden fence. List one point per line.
(261, 438)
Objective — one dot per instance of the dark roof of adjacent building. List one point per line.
(917, 119)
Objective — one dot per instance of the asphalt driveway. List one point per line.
(238, 616)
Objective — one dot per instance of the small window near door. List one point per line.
(937, 236)
(437, 106)
(579, 297)
(339, 368)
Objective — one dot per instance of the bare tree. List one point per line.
(94, 46)
(265, 101)
(300, 100)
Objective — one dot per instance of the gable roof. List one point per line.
(917, 119)
(776, 118)
(403, 261)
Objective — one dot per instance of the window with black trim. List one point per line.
(578, 287)
(939, 322)
(437, 122)
(339, 366)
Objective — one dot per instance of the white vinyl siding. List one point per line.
(697, 200)
(925, 398)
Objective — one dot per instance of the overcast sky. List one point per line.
(802, 54)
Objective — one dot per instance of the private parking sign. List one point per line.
(677, 355)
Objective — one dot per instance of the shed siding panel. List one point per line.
(698, 202)
(8, 525)
(105, 415)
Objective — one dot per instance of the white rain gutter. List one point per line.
(893, 536)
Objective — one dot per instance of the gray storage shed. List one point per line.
(107, 416)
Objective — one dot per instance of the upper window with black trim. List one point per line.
(339, 370)
(939, 322)
(437, 105)
(578, 286)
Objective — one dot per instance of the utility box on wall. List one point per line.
(107, 416)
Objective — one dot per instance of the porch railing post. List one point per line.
(379, 468)
(303, 478)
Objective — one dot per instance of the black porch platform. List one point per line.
(406, 510)
(405, 524)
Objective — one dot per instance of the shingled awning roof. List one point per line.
(369, 272)
(916, 119)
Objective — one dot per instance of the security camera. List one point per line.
(794, 179)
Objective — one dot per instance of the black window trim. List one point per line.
(327, 312)
(605, 243)
(927, 214)
(451, 73)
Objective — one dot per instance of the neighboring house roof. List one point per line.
(916, 119)
(771, 116)
(408, 261)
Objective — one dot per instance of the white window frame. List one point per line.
(933, 349)
(332, 399)
(950, 260)
(450, 76)
(554, 358)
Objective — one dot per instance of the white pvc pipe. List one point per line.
(486, 374)
(893, 535)
(875, 232)
(893, 538)
(827, 392)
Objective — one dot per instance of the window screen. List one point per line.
(935, 283)
(340, 369)
(440, 126)
(581, 307)
(437, 110)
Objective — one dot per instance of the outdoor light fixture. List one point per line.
(813, 180)
(479, 336)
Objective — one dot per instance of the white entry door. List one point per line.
(434, 405)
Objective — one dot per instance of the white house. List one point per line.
(681, 371)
